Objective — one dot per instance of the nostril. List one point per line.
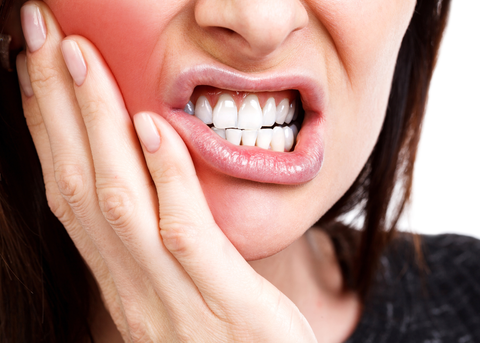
(225, 30)
(264, 25)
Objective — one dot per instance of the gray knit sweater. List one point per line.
(440, 304)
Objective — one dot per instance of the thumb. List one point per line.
(226, 281)
(187, 226)
(181, 200)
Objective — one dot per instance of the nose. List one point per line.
(263, 25)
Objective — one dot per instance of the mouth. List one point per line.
(262, 129)
(249, 119)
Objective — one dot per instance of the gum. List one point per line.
(213, 93)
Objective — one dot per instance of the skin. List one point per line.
(351, 57)
(332, 40)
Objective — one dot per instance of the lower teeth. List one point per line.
(243, 127)
(278, 138)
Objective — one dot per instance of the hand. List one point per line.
(177, 281)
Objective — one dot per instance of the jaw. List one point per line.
(259, 219)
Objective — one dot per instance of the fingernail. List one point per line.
(147, 132)
(23, 77)
(74, 60)
(33, 26)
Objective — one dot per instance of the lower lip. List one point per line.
(252, 163)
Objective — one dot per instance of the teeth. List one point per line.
(225, 112)
(203, 110)
(287, 131)
(189, 109)
(295, 115)
(245, 126)
(220, 132)
(295, 131)
(282, 111)
(264, 138)
(269, 112)
(278, 139)
(234, 136)
(249, 137)
(291, 112)
(250, 115)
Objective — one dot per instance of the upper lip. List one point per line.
(311, 93)
(250, 163)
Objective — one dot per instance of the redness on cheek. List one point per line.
(107, 22)
(125, 32)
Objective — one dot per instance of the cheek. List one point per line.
(366, 36)
(125, 32)
(108, 24)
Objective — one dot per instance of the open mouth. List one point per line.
(267, 120)
(266, 128)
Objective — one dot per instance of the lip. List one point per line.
(250, 163)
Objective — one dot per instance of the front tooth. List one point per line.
(220, 132)
(288, 138)
(249, 137)
(291, 112)
(282, 111)
(250, 114)
(264, 138)
(269, 112)
(278, 139)
(189, 108)
(225, 112)
(234, 136)
(203, 110)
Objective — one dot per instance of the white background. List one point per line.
(446, 190)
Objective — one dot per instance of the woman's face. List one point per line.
(336, 56)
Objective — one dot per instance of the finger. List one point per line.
(126, 193)
(187, 226)
(57, 204)
(39, 135)
(229, 286)
(52, 86)
(55, 118)
(72, 164)
(70, 149)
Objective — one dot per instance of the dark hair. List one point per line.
(46, 288)
(389, 169)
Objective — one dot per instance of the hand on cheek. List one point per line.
(165, 269)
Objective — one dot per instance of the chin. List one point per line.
(259, 219)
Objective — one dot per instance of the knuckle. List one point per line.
(58, 206)
(91, 108)
(71, 183)
(55, 202)
(179, 238)
(168, 174)
(45, 76)
(139, 332)
(34, 121)
(116, 206)
(139, 329)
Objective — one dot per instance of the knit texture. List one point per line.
(439, 304)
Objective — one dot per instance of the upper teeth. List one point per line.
(269, 112)
(244, 126)
(225, 112)
(203, 110)
(250, 116)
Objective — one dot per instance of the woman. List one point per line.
(137, 112)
